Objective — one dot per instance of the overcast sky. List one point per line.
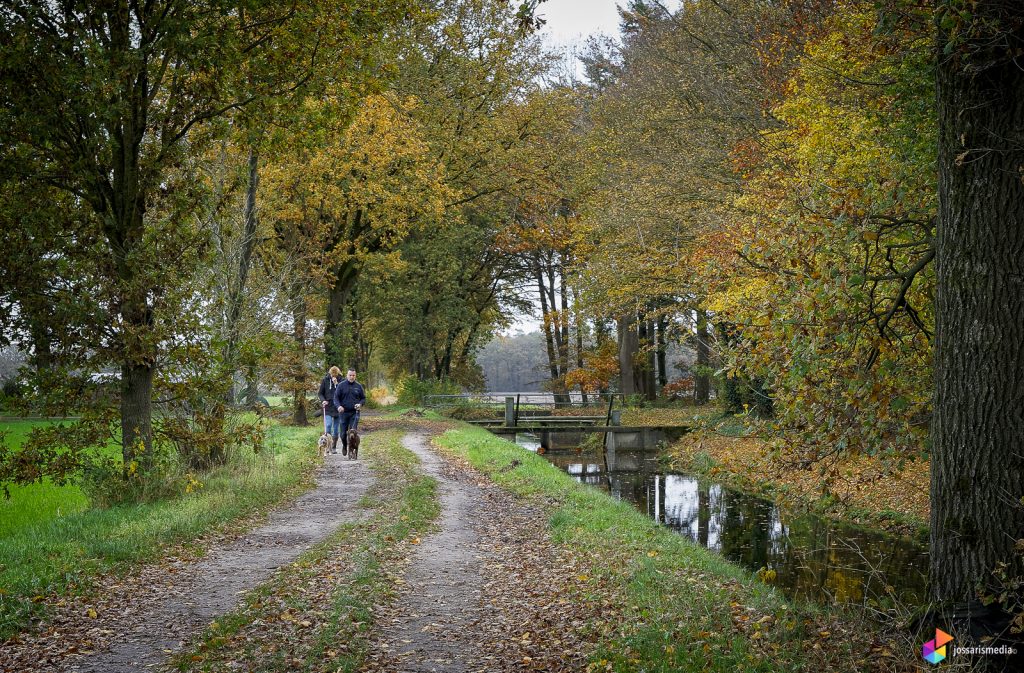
(570, 22)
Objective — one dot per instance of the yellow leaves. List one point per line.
(370, 173)
(192, 484)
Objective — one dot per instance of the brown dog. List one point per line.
(352, 438)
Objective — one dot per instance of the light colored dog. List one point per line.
(325, 444)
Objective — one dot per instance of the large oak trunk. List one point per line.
(977, 473)
(137, 414)
(337, 328)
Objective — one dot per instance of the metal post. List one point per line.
(510, 411)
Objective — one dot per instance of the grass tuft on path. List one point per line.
(675, 606)
(62, 554)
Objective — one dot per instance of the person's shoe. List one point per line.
(344, 451)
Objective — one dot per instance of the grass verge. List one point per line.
(315, 614)
(61, 555)
(674, 606)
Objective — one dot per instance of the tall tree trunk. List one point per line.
(252, 389)
(702, 378)
(337, 336)
(236, 295)
(629, 344)
(42, 346)
(562, 329)
(645, 375)
(602, 334)
(298, 305)
(137, 414)
(977, 487)
(662, 352)
(548, 326)
(137, 373)
(578, 319)
(730, 396)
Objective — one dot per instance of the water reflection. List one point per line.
(811, 557)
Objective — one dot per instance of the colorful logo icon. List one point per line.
(934, 651)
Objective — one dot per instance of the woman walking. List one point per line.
(331, 415)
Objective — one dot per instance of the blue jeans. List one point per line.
(333, 426)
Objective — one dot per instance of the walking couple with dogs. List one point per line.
(341, 399)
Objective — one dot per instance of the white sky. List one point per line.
(570, 22)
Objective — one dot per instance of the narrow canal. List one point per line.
(805, 556)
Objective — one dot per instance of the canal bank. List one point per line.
(804, 555)
(674, 605)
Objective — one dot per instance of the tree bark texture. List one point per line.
(662, 352)
(702, 380)
(629, 345)
(977, 468)
(339, 297)
(236, 296)
(298, 302)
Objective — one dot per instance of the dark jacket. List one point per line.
(348, 395)
(326, 394)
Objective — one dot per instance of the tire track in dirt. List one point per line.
(443, 581)
(489, 592)
(163, 606)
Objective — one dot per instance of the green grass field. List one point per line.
(38, 503)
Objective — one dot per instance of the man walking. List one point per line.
(348, 398)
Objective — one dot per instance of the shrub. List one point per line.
(678, 389)
(412, 391)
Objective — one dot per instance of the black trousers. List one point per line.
(349, 419)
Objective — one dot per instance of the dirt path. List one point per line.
(477, 592)
(152, 614)
(444, 582)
